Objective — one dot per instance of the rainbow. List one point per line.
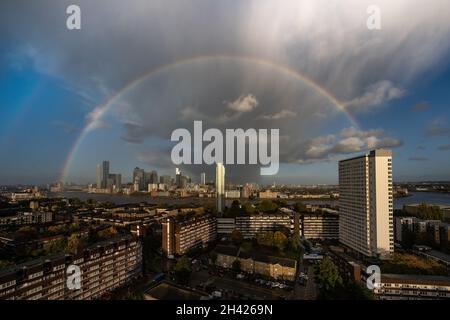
(99, 111)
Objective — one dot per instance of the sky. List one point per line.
(137, 70)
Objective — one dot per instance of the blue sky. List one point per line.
(395, 82)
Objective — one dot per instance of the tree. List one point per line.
(75, 201)
(182, 270)
(268, 239)
(236, 266)
(265, 239)
(213, 257)
(248, 208)
(235, 209)
(75, 243)
(27, 232)
(300, 207)
(427, 212)
(327, 275)
(353, 291)
(295, 242)
(5, 264)
(267, 206)
(56, 246)
(280, 240)
(54, 230)
(210, 207)
(111, 232)
(236, 237)
(408, 237)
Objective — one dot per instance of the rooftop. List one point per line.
(169, 291)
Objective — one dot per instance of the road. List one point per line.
(308, 291)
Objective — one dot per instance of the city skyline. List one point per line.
(331, 96)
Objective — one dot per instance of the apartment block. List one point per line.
(413, 287)
(366, 204)
(180, 234)
(324, 226)
(103, 267)
(251, 225)
(391, 286)
(24, 218)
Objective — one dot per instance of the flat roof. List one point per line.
(169, 291)
(416, 279)
(372, 153)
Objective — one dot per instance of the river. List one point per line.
(415, 197)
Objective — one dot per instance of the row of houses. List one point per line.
(253, 263)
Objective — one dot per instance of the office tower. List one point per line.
(220, 187)
(183, 182)
(99, 176)
(147, 178)
(178, 177)
(139, 177)
(102, 175)
(136, 184)
(115, 182)
(154, 177)
(203, 178)
(365, 204)
(167, 180)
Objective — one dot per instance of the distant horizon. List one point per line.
(71, 98)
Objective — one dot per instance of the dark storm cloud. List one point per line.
(349, 141)
(120, 41)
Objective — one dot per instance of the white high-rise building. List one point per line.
(220, 187)
(366, 204)
(203, 178)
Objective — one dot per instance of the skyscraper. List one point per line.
(203, 178)
(165, 179)
(220, 187)
(154, 177)
(102, 175)
(139, 177)
(114, 182)
(366, 205)
(178, 177)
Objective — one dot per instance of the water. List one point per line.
(415, 197)
(124, 199)
(423, 197)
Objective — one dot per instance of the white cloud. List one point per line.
(375, 95)
(351, 141)
(280, 115)
(245, 103)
